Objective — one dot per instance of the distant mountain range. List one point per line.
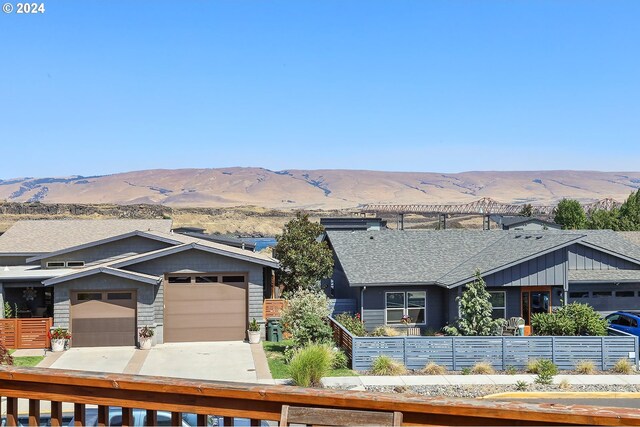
(318, 189)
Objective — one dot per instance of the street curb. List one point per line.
(565, 395)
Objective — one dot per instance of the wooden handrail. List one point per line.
(264, 402)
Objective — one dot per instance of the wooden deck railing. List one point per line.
(264, 402)
(25, 333)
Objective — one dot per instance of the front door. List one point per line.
(535, 300)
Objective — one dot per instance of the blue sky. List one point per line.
(98, 87)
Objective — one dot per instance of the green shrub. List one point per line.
(585, 367)
(483, 368)
(304, 317)
(5, 357)
(433, 368)
(385, 331)
(511, 370)
(384, 365)
(546, 370)
(532, 366)
(466, 371)
(571, 319)
(340, 359)
(309, 364)
(352, 324)
(521, 385)
(623, 366)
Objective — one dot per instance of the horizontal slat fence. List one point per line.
(25, 333)
(456, 353)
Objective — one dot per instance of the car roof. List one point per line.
(632, 312)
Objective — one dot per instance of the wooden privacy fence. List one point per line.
(456, 353)
(25, 333)
(272, 307)
(262, 402)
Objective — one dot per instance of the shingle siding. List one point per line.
(130, 245)
(144, 292)
(585, 258)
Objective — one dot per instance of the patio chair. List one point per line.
(512, 326)
(337, 417)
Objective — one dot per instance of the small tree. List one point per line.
(570, 214)
(527, 210)
(303, 259)
(476, 310)
(630, 213)
(601, 219)
(304, 317)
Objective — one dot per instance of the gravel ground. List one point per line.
(473, 391)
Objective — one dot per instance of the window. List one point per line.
(579, 294)
(233, 279)
(499, 304)
(206, 279)
(55, 264)
(72, 264)
(625, 293)
(89, 296)
(179, 279)
(118, 295)
(412, 304)
(600, 294)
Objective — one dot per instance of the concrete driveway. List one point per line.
(222, 361)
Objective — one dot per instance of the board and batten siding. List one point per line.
(102, 282)
(200, 261)
(373, 305)
(129, 245)
(545, 270)
(586, 258)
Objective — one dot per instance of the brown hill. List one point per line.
(318, 189)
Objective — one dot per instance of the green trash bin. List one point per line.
(274, 329)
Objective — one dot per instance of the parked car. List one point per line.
(625, 321)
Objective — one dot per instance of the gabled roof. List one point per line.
(450, 257)
(132, 275)
(39, 236)
(148, 235)
(31, 272)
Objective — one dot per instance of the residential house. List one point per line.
(526, 223)
(420, 273)
(105, 279)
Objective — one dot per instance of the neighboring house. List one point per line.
(526, 223)
(104, 279)
(217, 238)
(353, 223)
(421, 272)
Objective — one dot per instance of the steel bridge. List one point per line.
(484, 206)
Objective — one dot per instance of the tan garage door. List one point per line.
(205, 307)
(103, 318)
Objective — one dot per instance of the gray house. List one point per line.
(421, 272)
(105, 279)
(523, 223)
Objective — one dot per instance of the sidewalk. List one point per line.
(445, 380)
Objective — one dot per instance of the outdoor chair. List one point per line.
(512, 326)
(337, 417)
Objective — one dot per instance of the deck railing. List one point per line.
(25, 333)
(264, 402)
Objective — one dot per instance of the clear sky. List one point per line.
(97, 87)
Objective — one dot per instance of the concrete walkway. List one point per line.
(444, 380)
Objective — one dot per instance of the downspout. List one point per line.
(362, 303)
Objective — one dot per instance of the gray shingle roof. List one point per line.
(604, 276)
(39, 236)
(632, 236)
(450, 257)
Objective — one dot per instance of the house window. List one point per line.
(233, 279)
(498, 304)
(206, 279)
(55, 264)
(89, 296)
(118, 295)
(412, 304)
(582, 294)
(600, 294)
(72, 264)
(179, 279)
(625, 293)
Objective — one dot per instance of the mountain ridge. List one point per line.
(318, 189)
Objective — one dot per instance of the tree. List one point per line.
(630, 213)
(570, 214)
(601, 219)
(304, 260)
(527, 210)
(476, 310)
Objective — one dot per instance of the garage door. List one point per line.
(606, 298)
(103, 318)
(206, 307)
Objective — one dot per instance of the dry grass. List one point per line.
(585, 367)
(384, 365)
(483, 368)
(532, 366)
(385, 331)
(433, 368)
(623, 366)
(564, 384)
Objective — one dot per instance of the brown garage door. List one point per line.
(103, 318)
(206, 307)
